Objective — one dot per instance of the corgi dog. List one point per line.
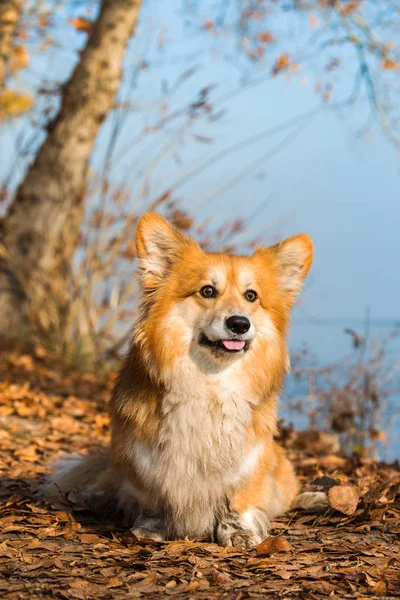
(194, 408)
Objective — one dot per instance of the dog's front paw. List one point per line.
(240, 538)
(149, 526)
(241, 531)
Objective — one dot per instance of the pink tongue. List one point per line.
(234, 344)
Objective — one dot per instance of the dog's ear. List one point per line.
(158, 246)
(291, 261)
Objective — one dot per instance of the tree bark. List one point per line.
(10, 12)
(41, 230)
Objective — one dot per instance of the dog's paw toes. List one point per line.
(243, 539)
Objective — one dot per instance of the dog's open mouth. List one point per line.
(232, 345)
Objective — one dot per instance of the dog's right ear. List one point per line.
(158, 246)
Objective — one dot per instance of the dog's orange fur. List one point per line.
(184, 410)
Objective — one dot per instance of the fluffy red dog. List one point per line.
(194, 408)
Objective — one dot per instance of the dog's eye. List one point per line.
(208, 291)
(251, 295)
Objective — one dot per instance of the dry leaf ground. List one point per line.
(46, 410)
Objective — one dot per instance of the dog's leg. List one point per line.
(243, 530)
(149, 525)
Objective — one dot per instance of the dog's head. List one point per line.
(214, 307)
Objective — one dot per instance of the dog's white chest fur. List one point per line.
(202, 451)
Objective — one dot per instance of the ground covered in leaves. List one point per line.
(349, 551)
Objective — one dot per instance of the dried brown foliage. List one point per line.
(69, 553)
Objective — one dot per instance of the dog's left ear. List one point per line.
(158, 246)
(291, 261)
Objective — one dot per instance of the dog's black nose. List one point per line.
(238, 324)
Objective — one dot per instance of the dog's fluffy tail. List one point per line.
(78, 476)
(91, 482)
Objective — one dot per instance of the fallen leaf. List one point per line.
(192, 586)
(220, 578)
(371, 582)
(89, 538)
(114, 582)
(283, 574)
(344, 498)
(272, 545)
(380, 589)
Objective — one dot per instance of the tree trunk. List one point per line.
(10, 12)
(41, 229)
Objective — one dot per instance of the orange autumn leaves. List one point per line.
(13, 103)
(19, 58)
(282, 63)
(389, 64)
(81, 24)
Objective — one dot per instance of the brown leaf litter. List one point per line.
(349, 551)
